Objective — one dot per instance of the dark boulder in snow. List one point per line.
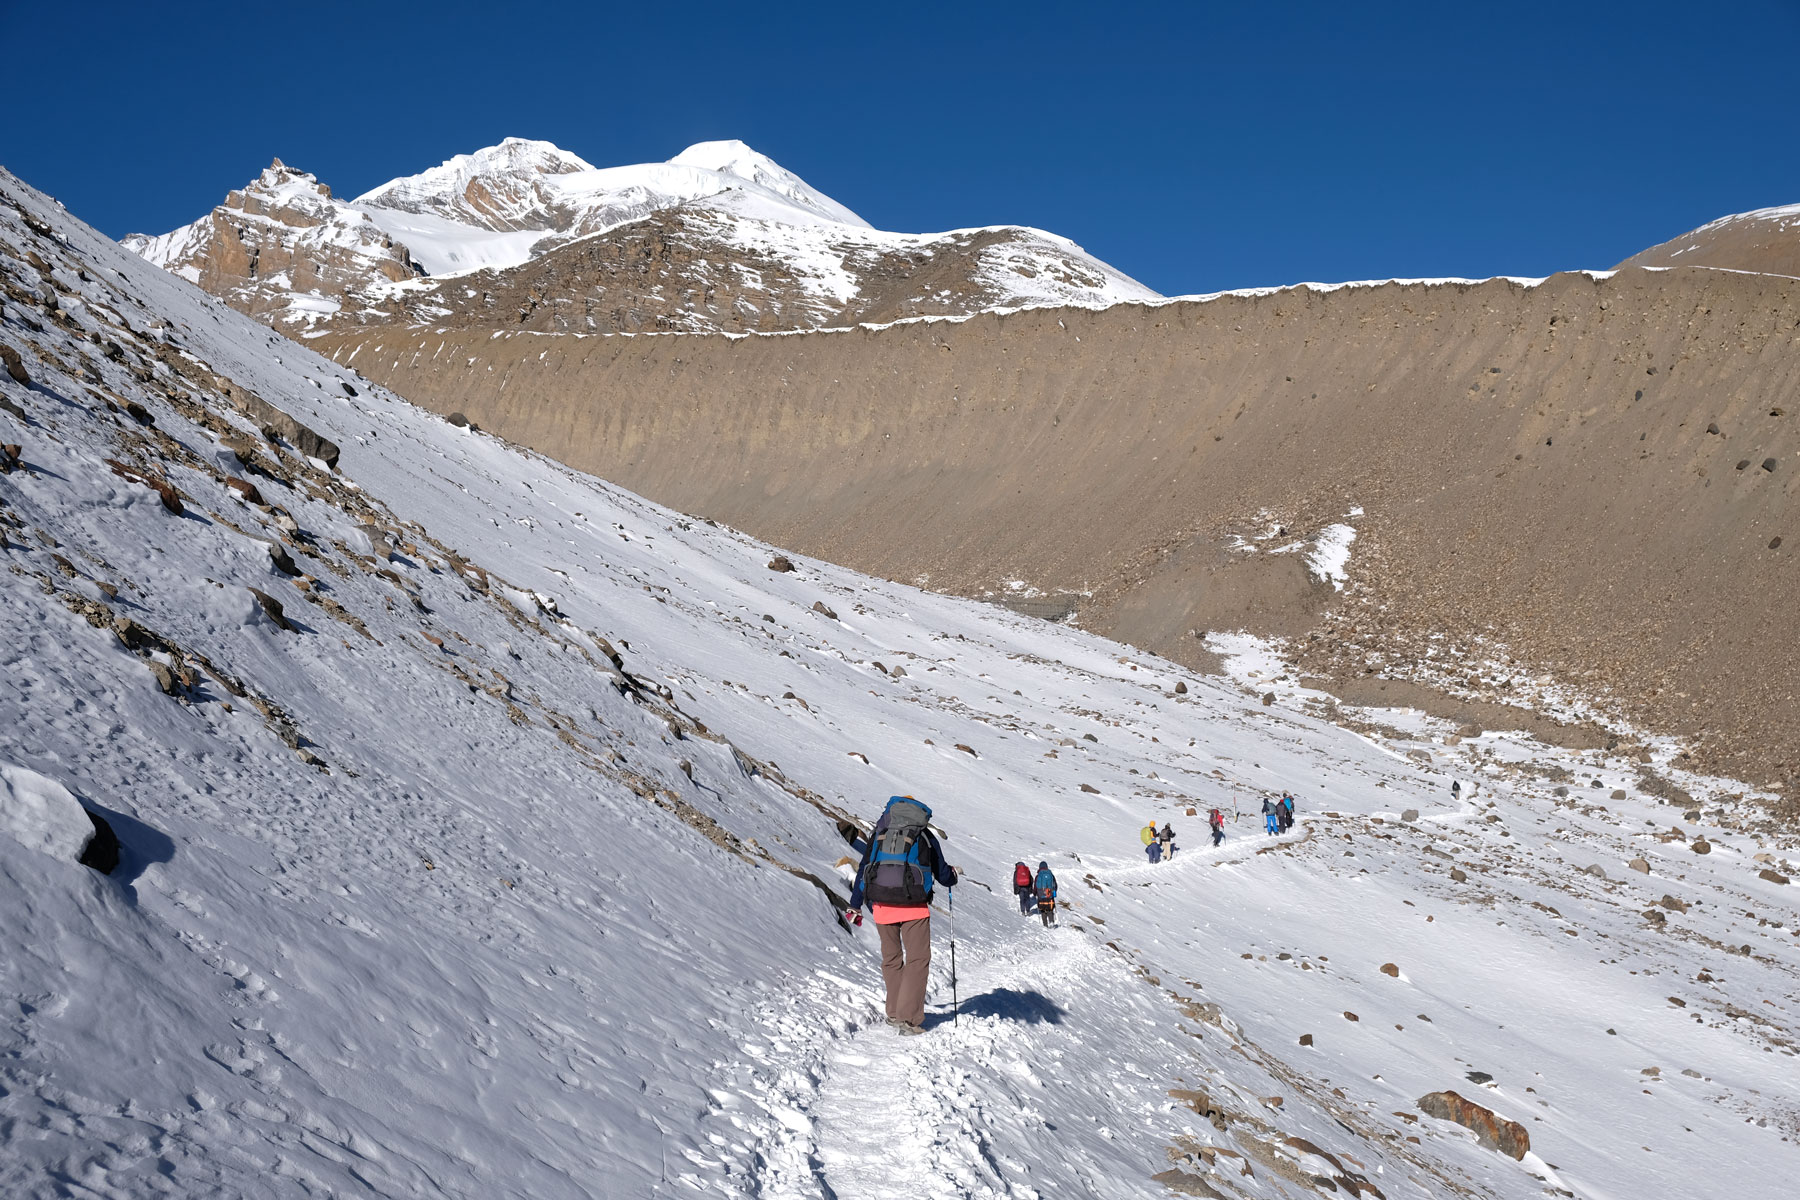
(820, 607)
(1493, 1131)
(271, 608)
(102, 852)
(781, 564)
(15, 366)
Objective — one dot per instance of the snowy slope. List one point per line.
(420, 899)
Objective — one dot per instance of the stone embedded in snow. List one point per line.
(15, 366)
(1180, 688)
(1771, 876)
(1410, 815)
(1390, 970)
(270, 607)
(1701, 846)
(781, 564)
(1090, 789)
(1268, 699)
(41, 814)
(1493, 1131)
(1458, 875)
(1639, 865)
(820, 607)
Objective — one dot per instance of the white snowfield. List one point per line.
(425, 896)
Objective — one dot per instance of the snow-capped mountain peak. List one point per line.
(737, 160)
(501, 187)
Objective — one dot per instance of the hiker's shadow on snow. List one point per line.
(1009, 1004)
(139, 847)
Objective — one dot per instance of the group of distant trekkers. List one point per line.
(902, 860)
(1278, 815)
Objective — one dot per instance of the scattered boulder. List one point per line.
(1088, 737)
(1458, 875)
(1470, 731)
(15, 366)
(1350, 1016)
(1478, 1077)
(281, 559)
(171, 499)
(165, 678)
(1306, 1039)
(1268, 699)
(781, 564)
(1655, 916)
(11, 458)
(1090, 789)
(820, 607)
(1768, 464)
(348, 390)
(245, 489)
(898, 673)
(969, 750)
(1639, 865)
(457, 419)
(1701, 846)
(1390, 970)
(1594, 869)
(1618, 793)
(1180, 688)
(1771, 876)
(271, 608)
(1492, 1131)
(1410, 815)
(139, 413)
(102, 852)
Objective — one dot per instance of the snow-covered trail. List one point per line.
(971, 1108)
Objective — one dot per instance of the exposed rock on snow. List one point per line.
(1491, 1130)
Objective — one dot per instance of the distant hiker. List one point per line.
(1287, 811)
(1271, 816)
(895, 876)
(1044, 887)
(1455, 788)
(1022, 888)
(1217, 821)
(1167, 838)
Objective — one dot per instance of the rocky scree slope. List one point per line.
(1587, 479)
(455, 861)
(525, 235)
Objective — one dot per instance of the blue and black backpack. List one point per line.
(900, 867)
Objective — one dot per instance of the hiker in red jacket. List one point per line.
(1217, 821)
(1022, 888)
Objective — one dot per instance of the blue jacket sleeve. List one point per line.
(940, 870)
(862, 867)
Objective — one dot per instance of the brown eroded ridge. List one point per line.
(1594, 475)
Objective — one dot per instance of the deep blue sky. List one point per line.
(1195, 146)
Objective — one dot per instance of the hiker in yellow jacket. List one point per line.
(1152, 846)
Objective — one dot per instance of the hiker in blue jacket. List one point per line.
(901, 861)
(1287, 811)
(1044, 887)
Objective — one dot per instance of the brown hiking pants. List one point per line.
(906, 967)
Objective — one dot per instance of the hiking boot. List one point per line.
(895, 1021)
(908, 1029)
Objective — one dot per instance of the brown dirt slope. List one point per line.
(1538, 467)
(1767, 240)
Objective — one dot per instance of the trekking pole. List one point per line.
(955, 1008)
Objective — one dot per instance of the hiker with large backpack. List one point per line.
(1167, 838)
(901, 861)
(1287, 811)
(1217, 821)
(1152, 847)
(1022, 888)
(1044, 888)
